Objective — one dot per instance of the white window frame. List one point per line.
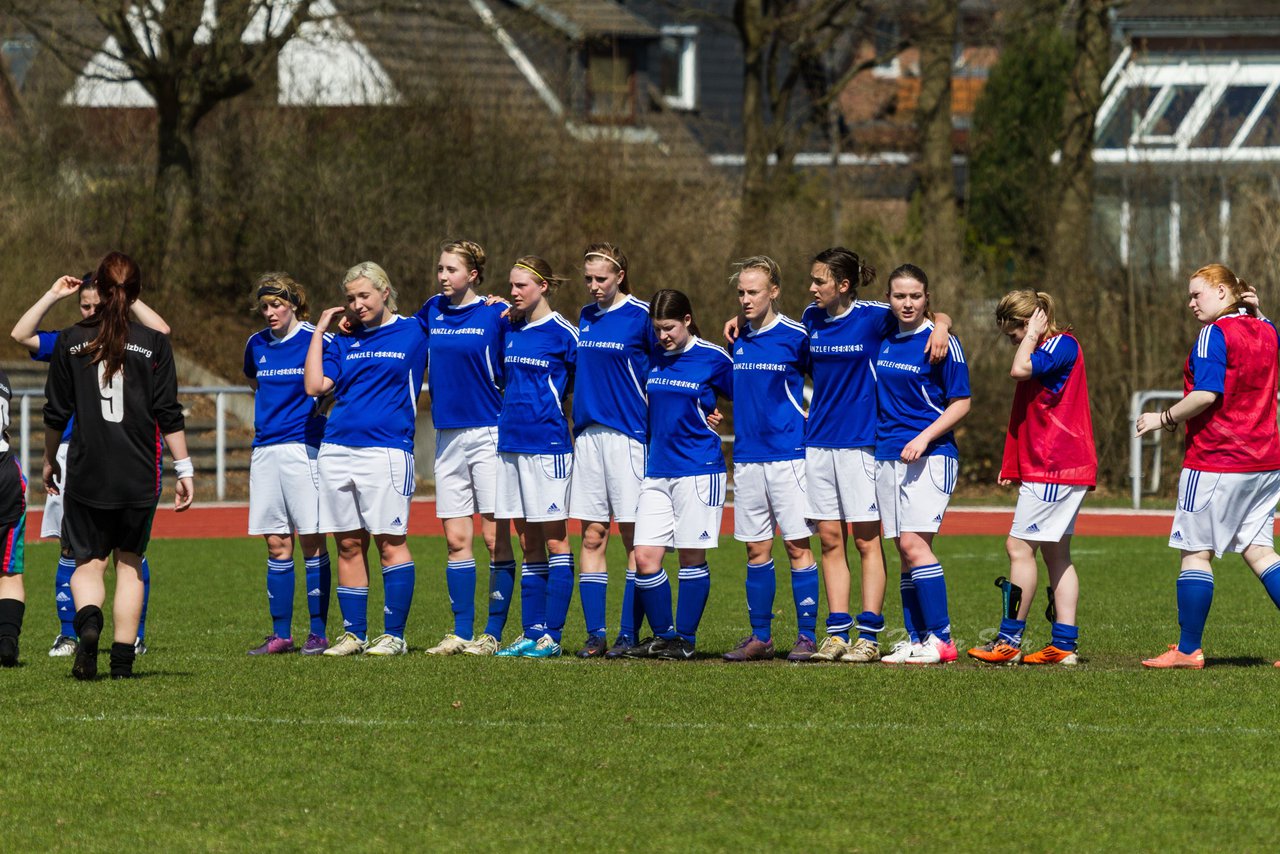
(1163, 74)
(687, 96)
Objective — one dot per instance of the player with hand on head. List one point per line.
(117, 379)
(1229, 487)
(916, 461)
(464, 375)
(365, 463)
(40, 344)
(616, 344)
(535, 456)
(284, 495)
(1049, 453)
(682, 495)
(770, 360)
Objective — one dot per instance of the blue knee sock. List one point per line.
(502, 586)
(559, 593)
(593, 587)
(654, 593)
(1011, 631)
(353, 602)
(931, 588)
(460, 581)
(804, 591)
(397, 593)
(632, 610)
(1195, 595)
(319, 580)
(912, 615)
(761, 587)
(145, 571)
(1065, 636)
(869, 626)
(533, 599)
(280, 596)
(838, 625)
(695, 588)
(1270, 579)
(62, 599)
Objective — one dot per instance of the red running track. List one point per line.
(232, 520)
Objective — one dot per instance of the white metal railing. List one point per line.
(1137, 403)
(219, 393)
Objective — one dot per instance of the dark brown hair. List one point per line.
(668, 304)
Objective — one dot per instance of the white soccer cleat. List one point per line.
(348, 644)
(63, 647)
(900, 653)
(387, 645)
(451, 645)
(485, 644)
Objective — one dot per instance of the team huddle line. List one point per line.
(873, 454)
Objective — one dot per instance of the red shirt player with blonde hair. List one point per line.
(1228, 490)
(1049, 452)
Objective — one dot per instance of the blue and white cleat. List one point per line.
(521, 646)
(544, 648)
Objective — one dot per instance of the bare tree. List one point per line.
(939, 217)
(189, 56)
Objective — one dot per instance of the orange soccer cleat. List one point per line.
(998, 651)
(1053, 655)
(1173, 658)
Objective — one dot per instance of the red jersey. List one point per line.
(1234, 357)
(1050, 435)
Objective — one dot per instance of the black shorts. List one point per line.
(93, 533)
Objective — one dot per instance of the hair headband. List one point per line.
(535, 272)
(606, 257)
(278, 291)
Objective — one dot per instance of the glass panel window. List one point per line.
(677, 66)
(1171, 109)
(1228, 116)
(1266, 133)
(1128, 113)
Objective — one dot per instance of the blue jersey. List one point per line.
(768, 387)
(912, 393)
(539, 368)
(1052, 361)
(842, 413)
(615, 348)
(282, 410)
(464, 371)
(682, 387)
(377, 374)
(44, 353)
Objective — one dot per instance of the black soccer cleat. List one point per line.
(648, 648)
(678, 649)
(596, 647)
(8, 651)
(620, 647)
(88, 627)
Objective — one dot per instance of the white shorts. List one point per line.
(466, 471)
(1225, 512)
(770, 494)
(913, 497)
(1046, 512)
(608, 466)
(533, 487)
(51, 521)
(681, 512)
(841, 484)
(284, 490)
(365, 488)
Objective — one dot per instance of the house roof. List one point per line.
(586, 19)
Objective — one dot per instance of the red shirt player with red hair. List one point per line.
(1230, 479)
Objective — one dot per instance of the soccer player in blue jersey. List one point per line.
(366, 460)
(40, 344)
(13, 524)
(535, 455)
(610, 423)
(284, 495)
(916, 461)
(770, 360)
(464, 374)
(682, 495)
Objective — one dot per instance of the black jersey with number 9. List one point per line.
(115, 453)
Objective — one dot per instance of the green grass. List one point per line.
(211, 750)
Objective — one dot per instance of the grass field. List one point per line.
(212, 750)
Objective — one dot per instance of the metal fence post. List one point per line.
(219, 405)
